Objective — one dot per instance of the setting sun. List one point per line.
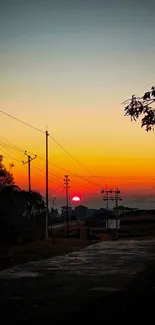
(75, 199)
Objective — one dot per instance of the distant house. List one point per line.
(81, 212)
(101, 215)
(90, 212)
(124, 210)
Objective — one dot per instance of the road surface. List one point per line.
(63, 224)
(80, 284)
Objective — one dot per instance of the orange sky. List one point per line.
(67, 69)
(115, 159)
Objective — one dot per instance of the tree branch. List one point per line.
(141, 105)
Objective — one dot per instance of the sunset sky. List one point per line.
(68, 65)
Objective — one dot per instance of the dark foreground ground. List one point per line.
(11, 255)
(104, 282)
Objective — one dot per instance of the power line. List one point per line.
(33, 166)
(21, 121)
(116, 177)
(54, 191)
(66, 151)
(75, 159)
(40, 157)
(8, 147)
(82, 177)
(16, 148)
(70, 173)
(19, 161)
(14, 151)
(49, 172)
(9, 156)
(39, 130)
(56, 176)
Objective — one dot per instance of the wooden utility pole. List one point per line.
(52, 214)
(115, 198)
(47, 210)
(67, 180)
(107, 199)
(29, 176)
(29, 168)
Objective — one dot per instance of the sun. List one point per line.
(76, 199)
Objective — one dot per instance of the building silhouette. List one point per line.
(81, 212)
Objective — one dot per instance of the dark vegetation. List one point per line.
(22, 226)
(22, 213)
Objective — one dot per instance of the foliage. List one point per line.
(53, 215)
(6, 178)
(138, 106)
(21, 213)
(30, 204)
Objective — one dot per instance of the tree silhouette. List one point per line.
(142, 106)
(15, 221)
(53, 215)
(23, 198)
(6, 178)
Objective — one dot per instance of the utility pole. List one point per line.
(107, 199)
(29, 176)
(47, 210)
(115, 198)
(67, 180)
(29, 168)
(53, 204)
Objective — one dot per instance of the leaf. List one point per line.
(146, 96)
